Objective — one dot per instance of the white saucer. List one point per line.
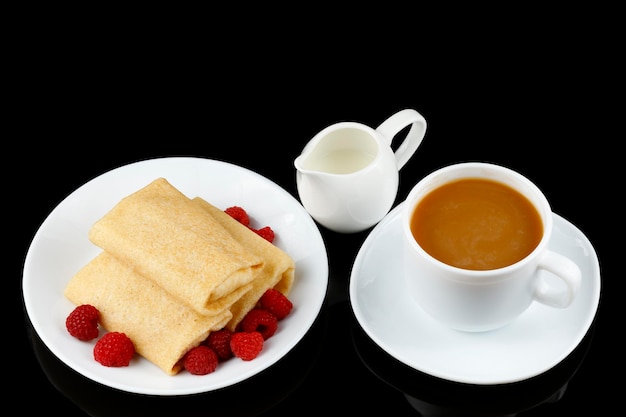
(538, 340)
(61, 247)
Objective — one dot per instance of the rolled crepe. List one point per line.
(165, 237)
(161, 327)
(278, 267)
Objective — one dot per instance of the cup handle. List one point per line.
(565, 269)
(395, 123)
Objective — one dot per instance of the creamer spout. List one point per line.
(298, 163)
(302, 167)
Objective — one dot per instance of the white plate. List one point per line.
(61, 247)
(538, 340)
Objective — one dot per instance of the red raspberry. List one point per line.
(266, 233)
(238, 214)
(82, 322)
(200, 360)
(219, 341)
(276, 303)
(246, 345)
(114, 349)
(262, 321)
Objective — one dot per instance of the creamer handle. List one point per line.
(394, 124)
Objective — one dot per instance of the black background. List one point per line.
(86, 108)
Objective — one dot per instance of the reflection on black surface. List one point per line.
(248, 398)
(432, 396)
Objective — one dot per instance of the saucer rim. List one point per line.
(591, 306)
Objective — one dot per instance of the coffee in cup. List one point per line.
(476, 223)
(476, 247)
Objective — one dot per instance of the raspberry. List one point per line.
(238, 214)
(219, 341)
(262, 321)
(200, 360)
(114, 349)
(276, 303)
(82, 322)
(266, 233)
(246, 345)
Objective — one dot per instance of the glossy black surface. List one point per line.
(335, 368)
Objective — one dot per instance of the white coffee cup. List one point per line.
(480, 300)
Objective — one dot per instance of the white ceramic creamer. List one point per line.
(347, 175)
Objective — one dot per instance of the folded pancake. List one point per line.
(165, 237)
(278, 267)
(162, 328)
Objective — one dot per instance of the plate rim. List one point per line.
(319, 250)
(381, 227)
